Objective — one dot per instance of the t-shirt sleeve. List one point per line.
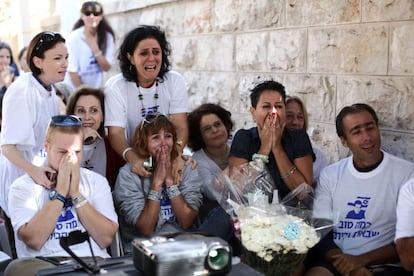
(302, 145)
(110, 49)
(191, 188)
(115, 106)
(240, 146)
(73, 65)
(405, 211)
(179, 94)
(323, 205)
(24, 134)
(129, 195)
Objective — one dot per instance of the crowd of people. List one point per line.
(113, 159)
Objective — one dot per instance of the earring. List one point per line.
(131, 68)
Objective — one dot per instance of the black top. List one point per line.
(295, 142)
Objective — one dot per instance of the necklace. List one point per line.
(141, 99)
(88, 163)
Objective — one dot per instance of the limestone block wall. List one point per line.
(331, 53)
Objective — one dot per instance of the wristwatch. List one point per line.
(55, 195)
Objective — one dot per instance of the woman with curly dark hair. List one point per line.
(91, 47)
(210, 126)
(147, 85)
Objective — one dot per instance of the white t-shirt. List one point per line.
(82, 60)
(405, 211)
(123, 107)
(364, 202)
(28, 198)
(27, 110)
(320, 163)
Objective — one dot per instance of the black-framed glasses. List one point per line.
(95, 13)
(47, 37)
(66, 120)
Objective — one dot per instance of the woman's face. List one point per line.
(92, 17)
(147, 59)
(294, 116)
(213, 131)
(269, 101)
(88, 108)
(53, 65)
(161, 139)
(5, 58)
(23, 62)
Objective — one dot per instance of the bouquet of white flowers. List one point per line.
(275, 235)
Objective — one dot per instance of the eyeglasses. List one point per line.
(95, 13)
(149, 119)
(66, 120)
(47, 37)
(209, 128)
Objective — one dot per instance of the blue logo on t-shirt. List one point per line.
(360, 204)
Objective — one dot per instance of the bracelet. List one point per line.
(262, 157)
(291, 171)
(125, 152)
(79, 201)
(99, 53)
(173, 191)
(154, 195)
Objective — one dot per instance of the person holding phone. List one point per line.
(156, 204)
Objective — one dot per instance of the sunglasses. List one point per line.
(95, 13)
(66, 120)
(149, 119)
(47, 37)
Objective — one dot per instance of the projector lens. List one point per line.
(218, 257)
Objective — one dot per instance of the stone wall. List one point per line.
(331, 53)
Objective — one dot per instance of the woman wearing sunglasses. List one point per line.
(145, 86)
(91, 47)
(156, 204)
(28, 105)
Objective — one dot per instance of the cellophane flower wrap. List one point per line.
(276, 235)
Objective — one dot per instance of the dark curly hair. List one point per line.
(130, 43)
(195, 140)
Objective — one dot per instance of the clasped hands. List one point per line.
(270, 133)
(66, 182)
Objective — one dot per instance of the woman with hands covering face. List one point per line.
(158, 203)
(147, 85)
(287, 153)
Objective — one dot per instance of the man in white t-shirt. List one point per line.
(362, 192)
(404, 236)
(81, 200)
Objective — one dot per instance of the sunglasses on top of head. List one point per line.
(47, 37)
(66, 120)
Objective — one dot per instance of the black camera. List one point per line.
(182, 254)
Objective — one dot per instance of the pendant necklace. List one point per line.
(141, 99)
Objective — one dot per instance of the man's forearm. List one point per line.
(382, 255)
(405, 249)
